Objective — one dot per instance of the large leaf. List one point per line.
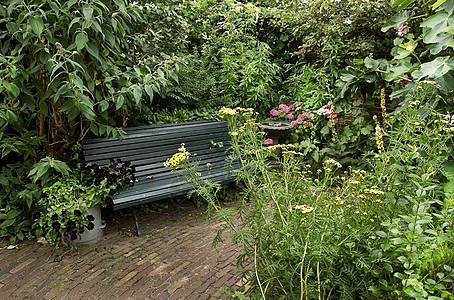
(436, 68)
(446, 82)
(396, 21)
(435, 25)
(399, 70)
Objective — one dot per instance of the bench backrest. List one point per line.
(148, 147)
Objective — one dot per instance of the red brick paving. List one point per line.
(174, 260)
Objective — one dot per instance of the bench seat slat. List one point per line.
(148, 147)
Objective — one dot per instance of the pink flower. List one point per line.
(299, 121)
(400, 32)
(403, 27)
(283, 107)
(308, 125)
(274, 112)
(294, 123)
(290, 116)
(269, 141)
(449, 100)
(327, 106)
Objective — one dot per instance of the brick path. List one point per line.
(174, 261)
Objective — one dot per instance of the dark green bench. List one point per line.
(148, 147)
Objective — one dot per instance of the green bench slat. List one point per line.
(148, 147)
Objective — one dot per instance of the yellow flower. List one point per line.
(304, 208)
(227, 111)
(383, 109)
(177, 158)
(332, 122)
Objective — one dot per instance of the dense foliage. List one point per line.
(361, 204)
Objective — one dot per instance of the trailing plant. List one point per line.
(62, 212)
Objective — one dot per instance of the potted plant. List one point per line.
(69, 207)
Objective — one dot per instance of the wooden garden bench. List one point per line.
(148, 147)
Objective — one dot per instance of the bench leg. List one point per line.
(136, 221)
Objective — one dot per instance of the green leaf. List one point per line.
(88, 13)
(103, 105)
(435, 25)
(137, 92)
(43, 107)
(37, 25)
(366, 130)
(81, 40)
(93, 50)
(73, 113)
(149, 92)
(13, 213)
(398, 70)
(436, 68)
(446, 82)
(77, 81)
(406, 49)
(12, 89)
(396, 21)
(67, 105)
(94, 128)
(401, 4)
(119, 102)
(437, 4)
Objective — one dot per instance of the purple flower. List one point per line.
(90, 226)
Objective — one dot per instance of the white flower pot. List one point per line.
(90, 237)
